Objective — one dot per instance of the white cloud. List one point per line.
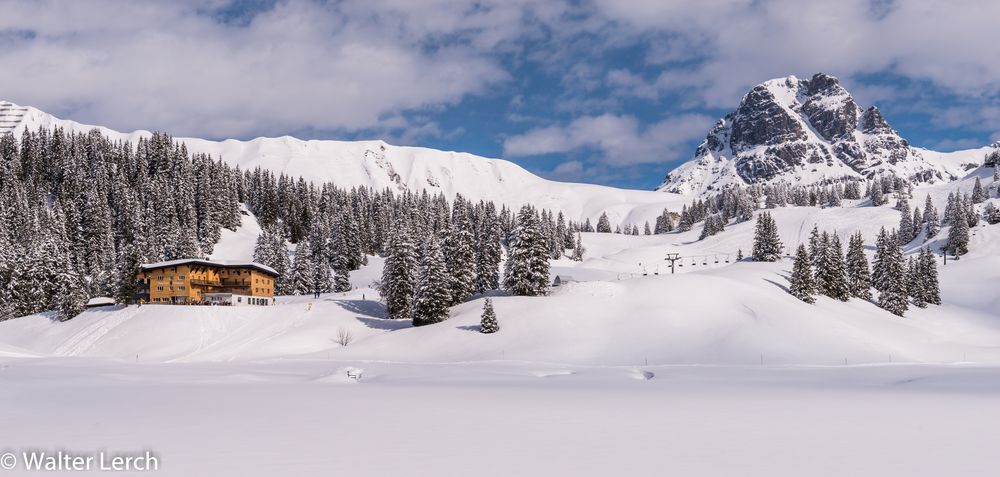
(743, 42)
(619, 139)
(350, 66)
(301, 65)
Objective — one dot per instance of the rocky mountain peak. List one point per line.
(800, 131)
(872, 122)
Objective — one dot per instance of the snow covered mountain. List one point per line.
(380, 165)
(808, 131)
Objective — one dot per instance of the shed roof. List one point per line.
(100, 301)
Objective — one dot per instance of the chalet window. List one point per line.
(182, 287)
(181, 277)
(159, 288)
(160, 278)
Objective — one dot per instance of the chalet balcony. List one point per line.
(206, 283)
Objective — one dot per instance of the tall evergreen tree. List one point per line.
(832, 276)
(914, 284)
(766, 244)
(927, 271)
(906, 232)
(958, 235)
(398, 281)
(303, 270)
(891, 279)
(488, 251)
(859, 280)
(801, 284)
(432, 297)
(931, 218)
(979, 195)
(459, 256)
(527, 270)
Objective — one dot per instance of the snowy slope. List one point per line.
(380, 165)
(720, 313)
(238, 244)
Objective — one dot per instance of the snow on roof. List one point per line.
(216, 263)
(100, 301)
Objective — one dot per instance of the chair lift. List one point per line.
(727, 258)
(693, 262)
(716, 259)
(704, 260)
(657, 270)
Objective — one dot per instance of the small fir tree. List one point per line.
(603, 225)
(488, 323)
(578, 249)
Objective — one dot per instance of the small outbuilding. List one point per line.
(562, 280)
(99, 301)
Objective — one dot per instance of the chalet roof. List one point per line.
(210, 263)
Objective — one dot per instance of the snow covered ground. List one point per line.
(714, 370)
(305, 417)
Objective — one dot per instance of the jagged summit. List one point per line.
(803, 131)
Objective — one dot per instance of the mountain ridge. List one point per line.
(806, 132)
(380, 165)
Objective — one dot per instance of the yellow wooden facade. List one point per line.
(187, 282)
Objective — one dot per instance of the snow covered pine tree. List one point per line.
(488, 323)
(397, 284)
(766, 244)
(432, 297)
(801, 284)
(527, 271)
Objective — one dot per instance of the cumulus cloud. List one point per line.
(619, 139)
(300, 64)
(392, 68)
(741, 42)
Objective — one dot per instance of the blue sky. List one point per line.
(612, 92)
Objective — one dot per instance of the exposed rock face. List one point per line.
(763, 121)
(800, 131)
